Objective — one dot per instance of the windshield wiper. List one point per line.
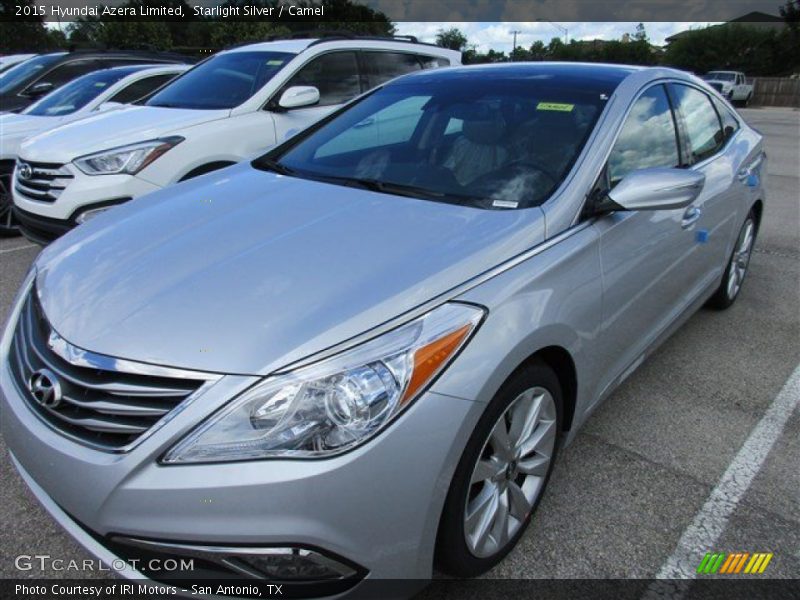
(270, 164)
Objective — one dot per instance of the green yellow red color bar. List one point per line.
(734, 563)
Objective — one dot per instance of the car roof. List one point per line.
(604, 76)
(296, 46)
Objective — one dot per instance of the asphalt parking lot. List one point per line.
(624, 493)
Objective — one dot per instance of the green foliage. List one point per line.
(17, 35)
(226, 33)
(452, 38)
(734, 46)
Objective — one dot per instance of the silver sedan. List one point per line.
(358, 355)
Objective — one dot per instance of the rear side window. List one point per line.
(648, 138)
(730, 124)
(141, 88)
(383, 66)
(432, 62)
(701, 125)
(335, 75)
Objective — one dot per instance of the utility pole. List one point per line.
(514, 46)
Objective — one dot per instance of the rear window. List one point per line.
(223, 81)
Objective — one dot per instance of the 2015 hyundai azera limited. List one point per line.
(358, 355)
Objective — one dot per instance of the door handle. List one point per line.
(691, 216)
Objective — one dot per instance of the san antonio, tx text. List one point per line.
(142, 10)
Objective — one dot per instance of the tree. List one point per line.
(21, 34)
(452, 38)
(640, 35)
(225, 33)
(733, 46)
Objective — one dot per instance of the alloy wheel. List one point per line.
(741, 258)
(510, 472)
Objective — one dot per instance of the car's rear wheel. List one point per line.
(735, 272)
(8, 224)
(502, 473)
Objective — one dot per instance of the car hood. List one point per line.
(14, 128)
(243, 271)
(111, 130)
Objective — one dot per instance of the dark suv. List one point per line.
(22, 85)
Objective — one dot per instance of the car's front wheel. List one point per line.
(502, 473)
(8, 224)
(732, 280)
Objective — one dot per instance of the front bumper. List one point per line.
(75, 192)
(377, 507)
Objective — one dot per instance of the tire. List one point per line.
(461, 550)
(738, 263)
(8, 223)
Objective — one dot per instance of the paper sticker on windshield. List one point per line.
(505, 204)
(274, 63)
(558, 106)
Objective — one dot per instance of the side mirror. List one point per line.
(657, 189)
(106, 106)
(39, 89)
(298, 96)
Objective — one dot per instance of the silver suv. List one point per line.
(360, 353)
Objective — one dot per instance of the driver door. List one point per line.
(641, 252)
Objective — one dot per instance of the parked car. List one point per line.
(731, 84)
(90, 94)
(230, 107)
(361, 352)
(25, 83)
(8, 61)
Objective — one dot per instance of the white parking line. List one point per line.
(17, 248)
(710, 522)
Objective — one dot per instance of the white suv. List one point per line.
(230, 107)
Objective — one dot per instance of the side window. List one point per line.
(648, 138)
(335, 75)
(141, 88)
(730, 124)
(432, 62)
(700, 123)
(67, 72)
(383, 66)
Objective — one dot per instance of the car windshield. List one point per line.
(25, 71)
(78, 93)
(224, 81)
(717, 76)
(499, 146)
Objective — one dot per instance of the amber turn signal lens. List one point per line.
(432, 357)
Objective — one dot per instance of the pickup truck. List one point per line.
(730, 84)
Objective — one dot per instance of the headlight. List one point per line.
(338, 403)
(126, 159)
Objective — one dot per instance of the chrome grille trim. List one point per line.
(103, 407)
(46, 183)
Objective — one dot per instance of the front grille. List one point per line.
(102, 407)
(716, 86)
(43, 182)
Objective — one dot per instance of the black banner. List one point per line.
(440, 11)
(735, 588)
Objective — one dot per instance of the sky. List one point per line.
(499, 37)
